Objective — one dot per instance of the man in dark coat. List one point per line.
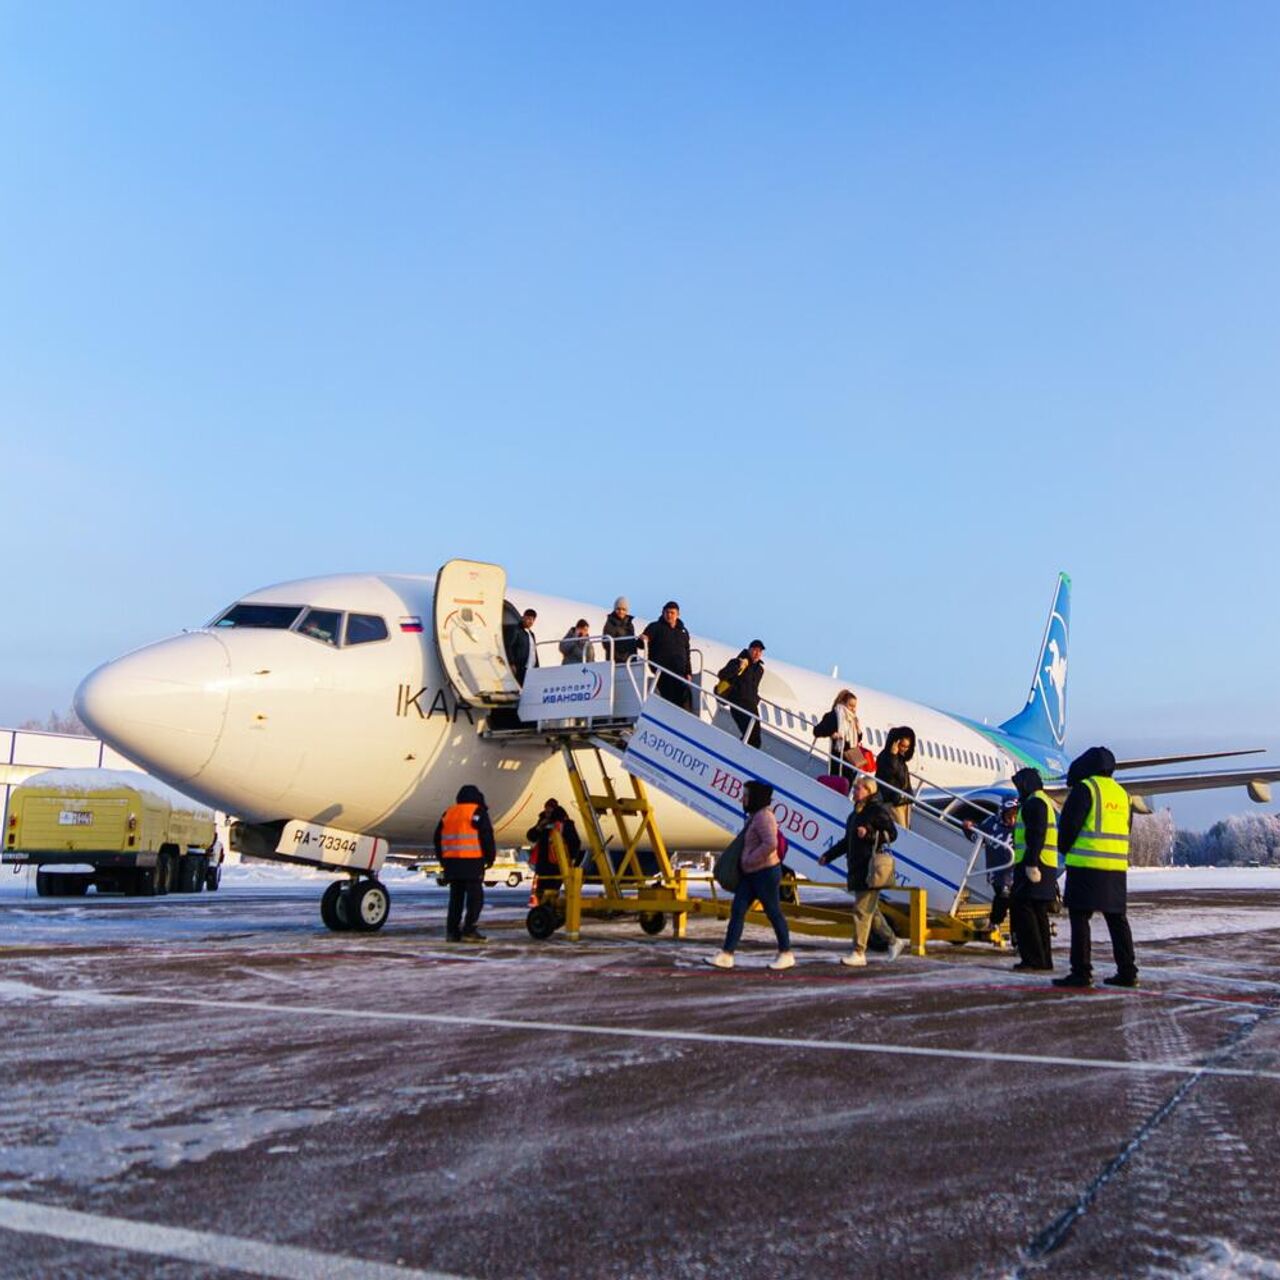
(543, 859)
(522, 645)
(466, 848)
(1035, 873)
(996, 831)
(892, 772)
(1093, 834)
(620, 627)
(743, 675)
(667, 644)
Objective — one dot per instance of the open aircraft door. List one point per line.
(468, 623)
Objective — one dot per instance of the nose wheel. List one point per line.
(360, 906)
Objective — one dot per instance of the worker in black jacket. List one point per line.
(1093, 833)
(543, 860)
(667, 644)
(894, 776)
(743, 675)
(1035, 872)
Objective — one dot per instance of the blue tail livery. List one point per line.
(1044, 718)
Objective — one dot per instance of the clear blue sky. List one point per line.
(847, 325)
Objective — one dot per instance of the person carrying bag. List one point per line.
(868, 834)
(758, 871)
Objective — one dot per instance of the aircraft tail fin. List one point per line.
(1044, 717)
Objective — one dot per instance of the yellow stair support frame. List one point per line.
(625, 883)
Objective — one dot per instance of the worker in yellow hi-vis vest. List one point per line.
(1093, 837)
(464, 842)
(1035, 872)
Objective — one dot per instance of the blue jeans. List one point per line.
(761, 884)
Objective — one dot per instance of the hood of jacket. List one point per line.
(896, 735)
(1094, 763)
(470, 795)
(1028, 782)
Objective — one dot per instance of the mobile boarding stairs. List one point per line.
(609, 716)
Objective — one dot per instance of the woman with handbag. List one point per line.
(867, 835)
(842, 726)
(759, 873)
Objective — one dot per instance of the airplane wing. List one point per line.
(1147, 762)
(1257, 781)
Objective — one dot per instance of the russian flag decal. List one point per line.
(411, 624)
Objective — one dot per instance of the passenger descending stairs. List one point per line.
(694, 759)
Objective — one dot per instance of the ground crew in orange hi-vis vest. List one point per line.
(465, 845)
(1093, 834)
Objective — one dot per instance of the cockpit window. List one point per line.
(362, 628)
(321, 624)
(274, 617)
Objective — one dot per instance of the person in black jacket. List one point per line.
(466, 848)
(893, 774)
(543, 859)
(667, 644)
(522, 645)
(743, 675)
(868, 830)
(620, 626)
(1091, 889)
(1035, 883)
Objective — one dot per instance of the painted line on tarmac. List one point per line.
(233, 1253)
(678, 1035)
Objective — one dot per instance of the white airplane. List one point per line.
(338, 716)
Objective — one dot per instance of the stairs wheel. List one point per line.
(653, 922)
(542, 922)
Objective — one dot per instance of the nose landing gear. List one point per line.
(355, 905)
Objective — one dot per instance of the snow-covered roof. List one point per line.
(78, 780)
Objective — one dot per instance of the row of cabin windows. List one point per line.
(786, 719)
(328, 626)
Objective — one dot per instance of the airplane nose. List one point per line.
(162, 706)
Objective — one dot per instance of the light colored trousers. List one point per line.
(867, 916)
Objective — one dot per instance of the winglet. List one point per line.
(1044, 718)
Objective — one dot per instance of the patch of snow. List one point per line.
(1161, 879)
(1226, 1261)
(79, 780)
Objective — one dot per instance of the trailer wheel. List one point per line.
(653, 922)
(367, 906)
(541, 922)
(329, 907)
(185, 877)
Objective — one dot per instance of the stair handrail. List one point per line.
(644, 688)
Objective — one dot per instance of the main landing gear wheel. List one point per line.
(541, 922)
(653, 922)
(367, 906)
(333, 909)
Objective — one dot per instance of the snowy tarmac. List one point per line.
(216, 1085)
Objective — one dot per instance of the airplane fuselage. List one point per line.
(369, 737)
